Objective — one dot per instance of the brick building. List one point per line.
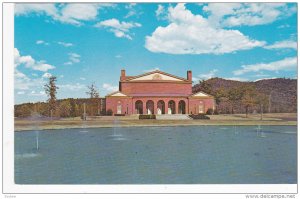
(157, 92)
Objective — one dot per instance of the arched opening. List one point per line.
(171, 107)
(150, 107)
(160, 107)
(201, 107)
(139, 107)
(181, 107)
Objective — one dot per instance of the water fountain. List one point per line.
(36, 117)
(259, 132)
(235, 130)
(115, 135)
(37, 140)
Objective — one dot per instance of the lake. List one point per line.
(158, 155)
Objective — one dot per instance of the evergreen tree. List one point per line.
(51, 90)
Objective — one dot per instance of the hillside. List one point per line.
(283, 91)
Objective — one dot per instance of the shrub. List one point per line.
(142, 117)
(216, 112)
(200, 117)
(119, 114)
(109, 112)
(209, 111)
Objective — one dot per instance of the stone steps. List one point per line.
(173, 117)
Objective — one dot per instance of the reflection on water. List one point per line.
(158, 155)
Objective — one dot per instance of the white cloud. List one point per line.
(109, 87)
(73, 58)
(70, 13)
(41, 66)
(241, 79)
(118, 56)
(120, 29)
(46, 75)
(20, 92)
(78, 12)
(195, 79)
(61, 76)
(29, 62)
(39, 42)
(283, 44)
(160, 12)
(265, 78)
(192, 34)
(208, 75)
(23, 82)
(65, 44)
(72, 87)
(40, 93)
(42, 8)
(131, 10)
(82, 78)
(289, 63)
(247, 14)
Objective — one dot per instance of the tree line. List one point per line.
(238, 99)
(65, 107)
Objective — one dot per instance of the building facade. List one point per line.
(159, 93)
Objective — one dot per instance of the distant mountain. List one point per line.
(281, 91)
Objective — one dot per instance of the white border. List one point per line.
(8, 146)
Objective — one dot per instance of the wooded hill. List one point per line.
(278, 95)
(64, 108)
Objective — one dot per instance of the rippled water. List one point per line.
(155, 155)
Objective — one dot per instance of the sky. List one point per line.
(89, 43)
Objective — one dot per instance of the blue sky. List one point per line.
(85, 43)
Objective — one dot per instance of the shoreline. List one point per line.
(78, 124)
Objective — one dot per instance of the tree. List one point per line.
(219, 95)
(92, 92)
(249, 97)
(235, 96)
(23, 110)
(94, 95)
(65, 108)
(51, 90)
(205, 86)
(262, 101)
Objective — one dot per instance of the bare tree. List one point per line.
(92, 92)
(94, 95)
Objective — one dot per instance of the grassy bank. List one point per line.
(129, 121)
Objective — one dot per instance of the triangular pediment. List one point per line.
(201, 94)
(156, 76)
(116, 94)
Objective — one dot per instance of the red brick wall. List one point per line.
(161, 88)
(194, 105)
(112, 103)
(191, 104)
(156, 99)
